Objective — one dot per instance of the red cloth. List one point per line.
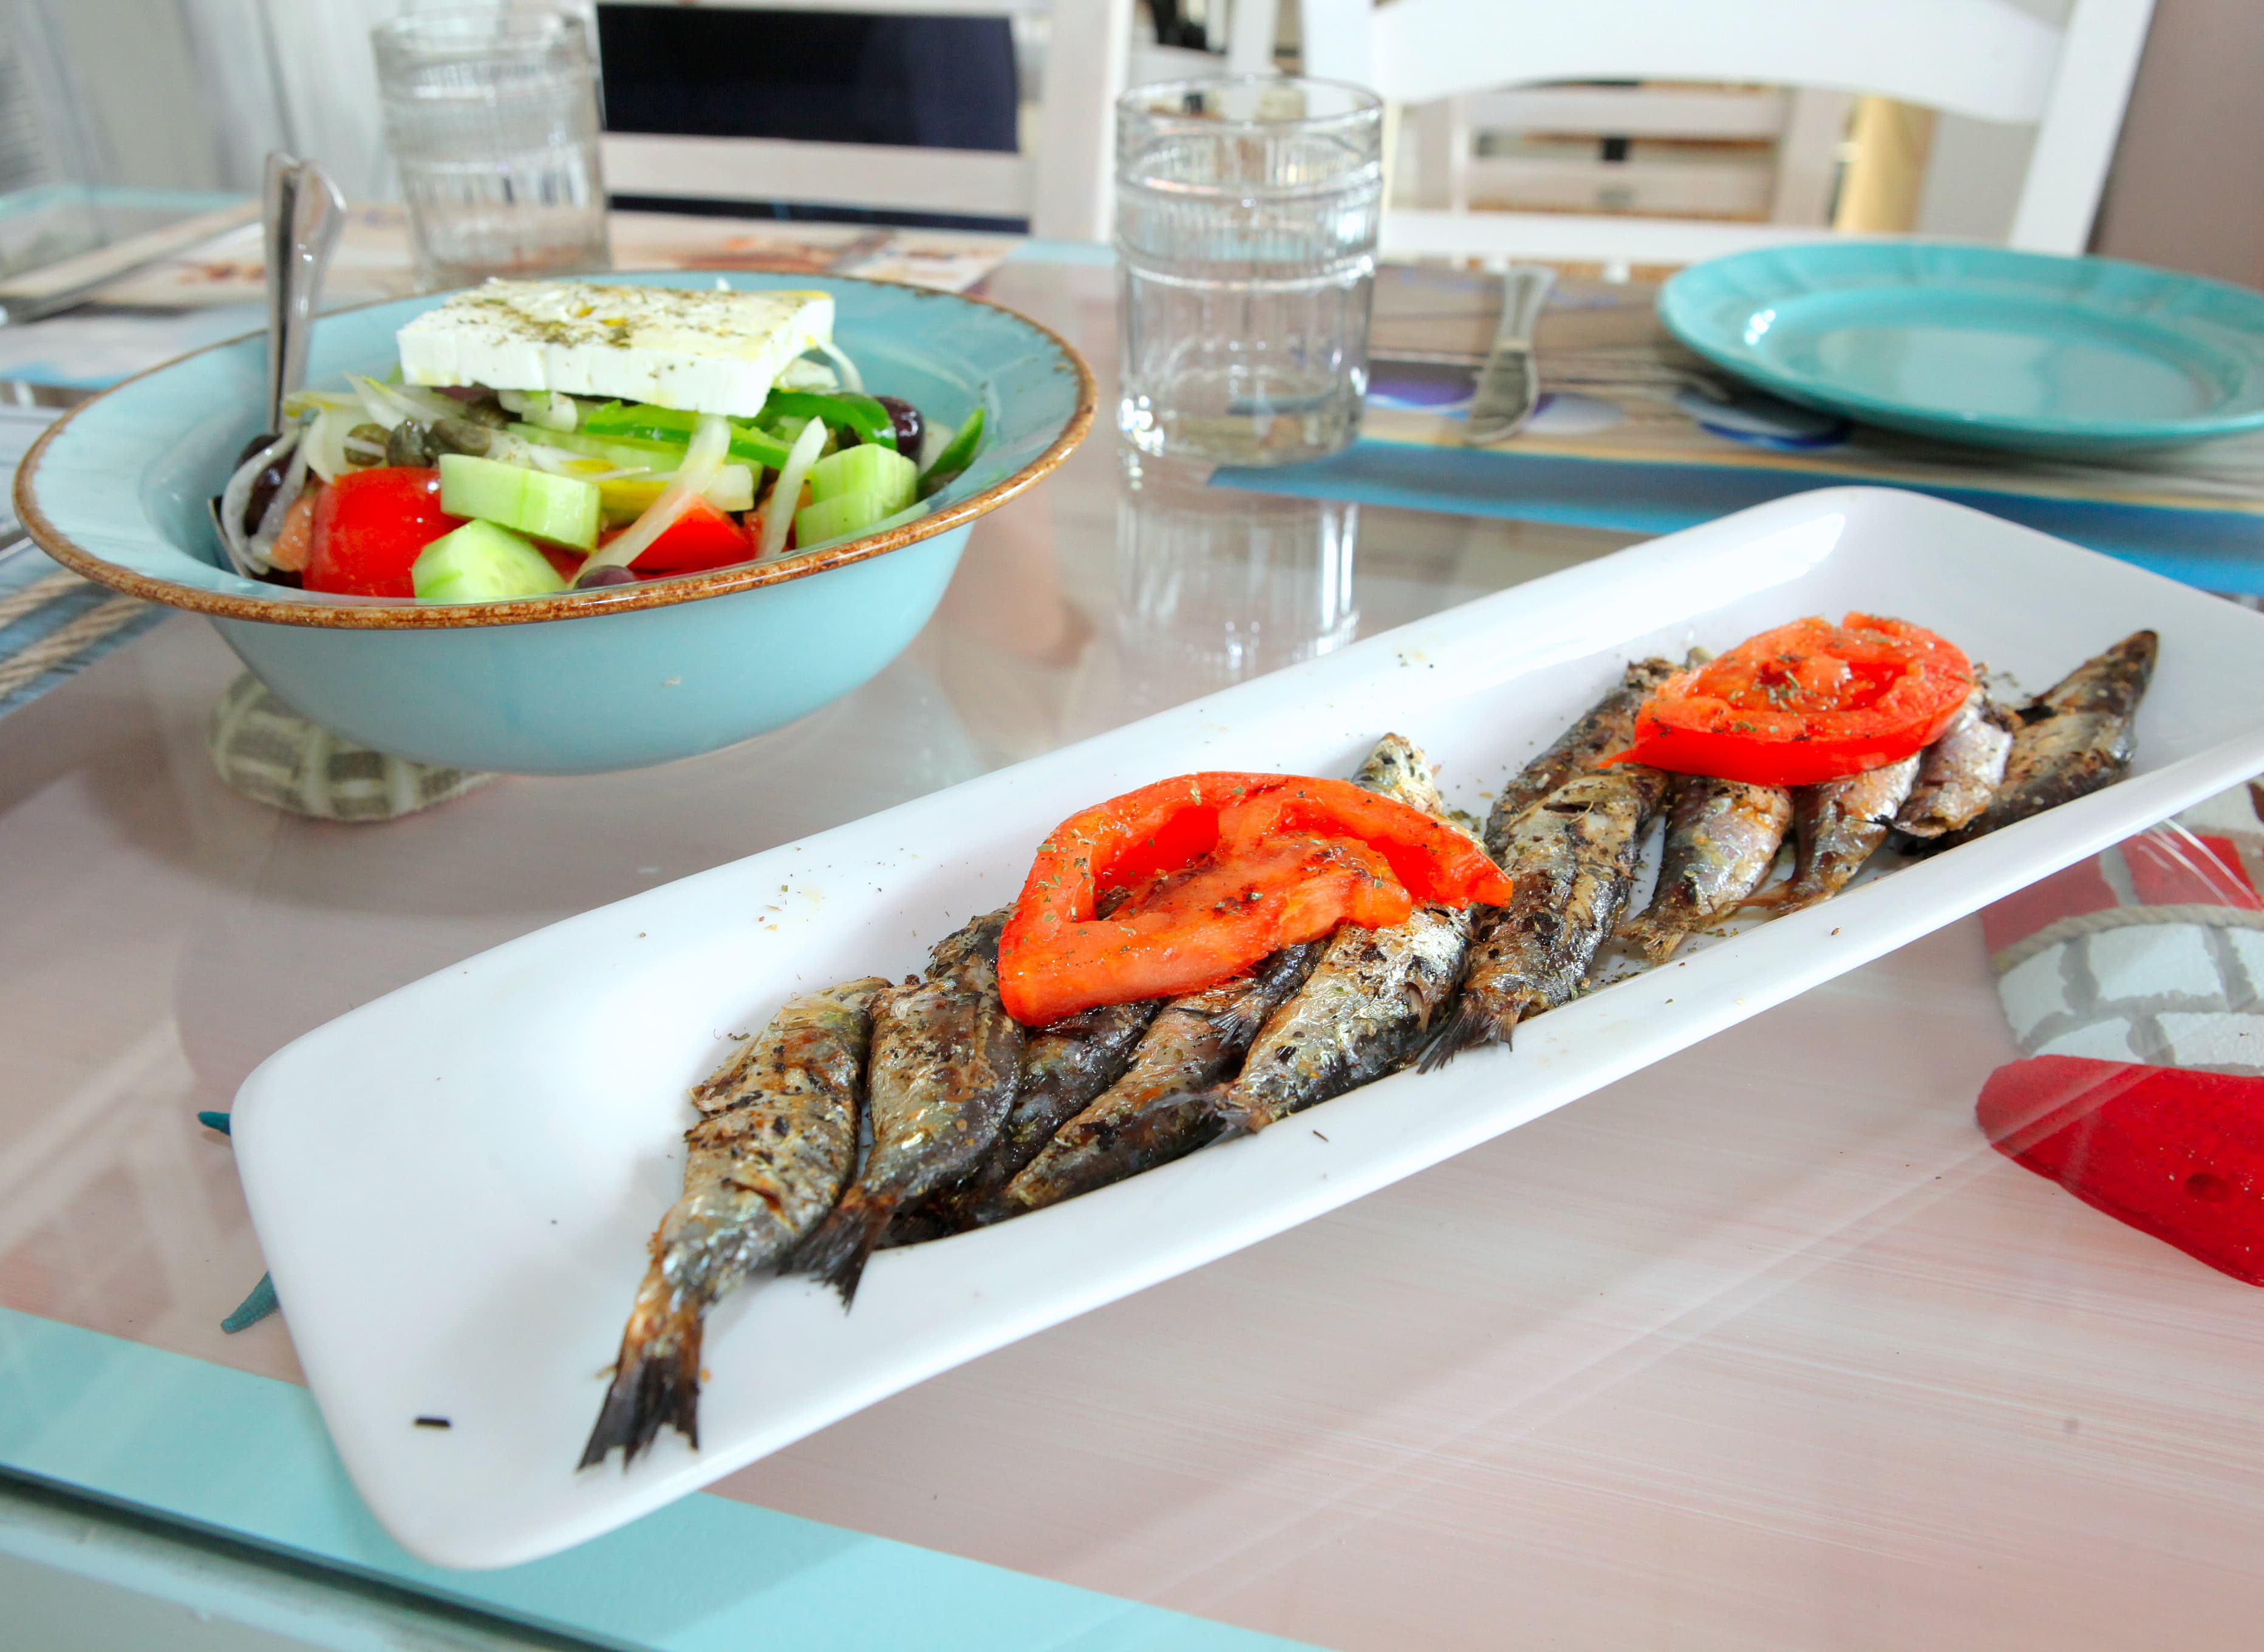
(2176, 1154)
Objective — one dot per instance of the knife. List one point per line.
(1509, 386)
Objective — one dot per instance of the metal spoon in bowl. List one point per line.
(304, 215)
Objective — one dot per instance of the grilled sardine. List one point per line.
(1572, 858)
(1364, 1009)
(1064, 1066)
(1606, 727)
(2072, 739)
(1838, 824)
(1165, 1105)
(767, 1158)
(1959, 772)
(1722, 838)
(944, 1058)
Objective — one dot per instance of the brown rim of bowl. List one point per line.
(573, 605)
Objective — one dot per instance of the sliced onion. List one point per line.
(392, 406)
(778, 509)
(270, 519)
(324, 444)
(711, 444)
(851, 379)
(237, 494)
(302, 402)
(550, 408)
(558, 462)
(802, 374)
(934, 438)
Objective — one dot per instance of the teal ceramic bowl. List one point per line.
(1983, 346)
(587, 682)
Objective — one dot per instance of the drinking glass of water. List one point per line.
(1246, 213)
(491, 112)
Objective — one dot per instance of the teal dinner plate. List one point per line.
(1982, 344)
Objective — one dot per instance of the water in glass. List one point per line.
(1246, 222)
(491, 114)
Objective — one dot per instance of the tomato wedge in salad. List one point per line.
(703, 537)
(1221, 869)
(369, 527)
(1806, 702)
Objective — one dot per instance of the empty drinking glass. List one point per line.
(491, 112)
(1246, 213)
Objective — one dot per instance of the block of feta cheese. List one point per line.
(705, 351)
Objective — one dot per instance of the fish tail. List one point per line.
(838, 1247)
(1469, 1027)
(656, 1380)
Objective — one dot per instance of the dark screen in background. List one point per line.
(946, 83)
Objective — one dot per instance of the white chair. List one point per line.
(1989, 59)
(1762, 152)
(1064, 189)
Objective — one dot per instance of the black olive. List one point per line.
(462, 436)
(612, 573)
(264, 485)
(910, 426)
(410, 443)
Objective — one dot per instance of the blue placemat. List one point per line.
(2217, 551)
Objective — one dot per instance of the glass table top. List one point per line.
(1760, 1347)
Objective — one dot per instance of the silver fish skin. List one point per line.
(1959, 772)
(945, 1059)
(1366, 1007)
(1606, 727)
(2072, 739)
(1839, 826)
(1722, 838)
(774, 1144)
(1165, 1105)
(1064, 1066)
(1572, 858)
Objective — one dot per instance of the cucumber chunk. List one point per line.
(865, 469)
(957, 454)
(482, 562)
(842, 514)
(561, 509)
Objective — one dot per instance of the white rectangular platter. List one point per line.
(453, 1185)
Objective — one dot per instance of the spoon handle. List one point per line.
(306, 215)
(278, 201)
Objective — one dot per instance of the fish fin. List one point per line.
(1233, 1118)
(657, 1380)
(1469, 1027)
(1238, 1025)
(838, 1247)
(1655, 940)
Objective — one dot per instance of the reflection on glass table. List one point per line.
(1234, 584)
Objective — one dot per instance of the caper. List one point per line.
(365, 444)
(462, 435)
(487, 411)
(410, 443)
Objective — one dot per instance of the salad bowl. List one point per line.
(584, 681)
